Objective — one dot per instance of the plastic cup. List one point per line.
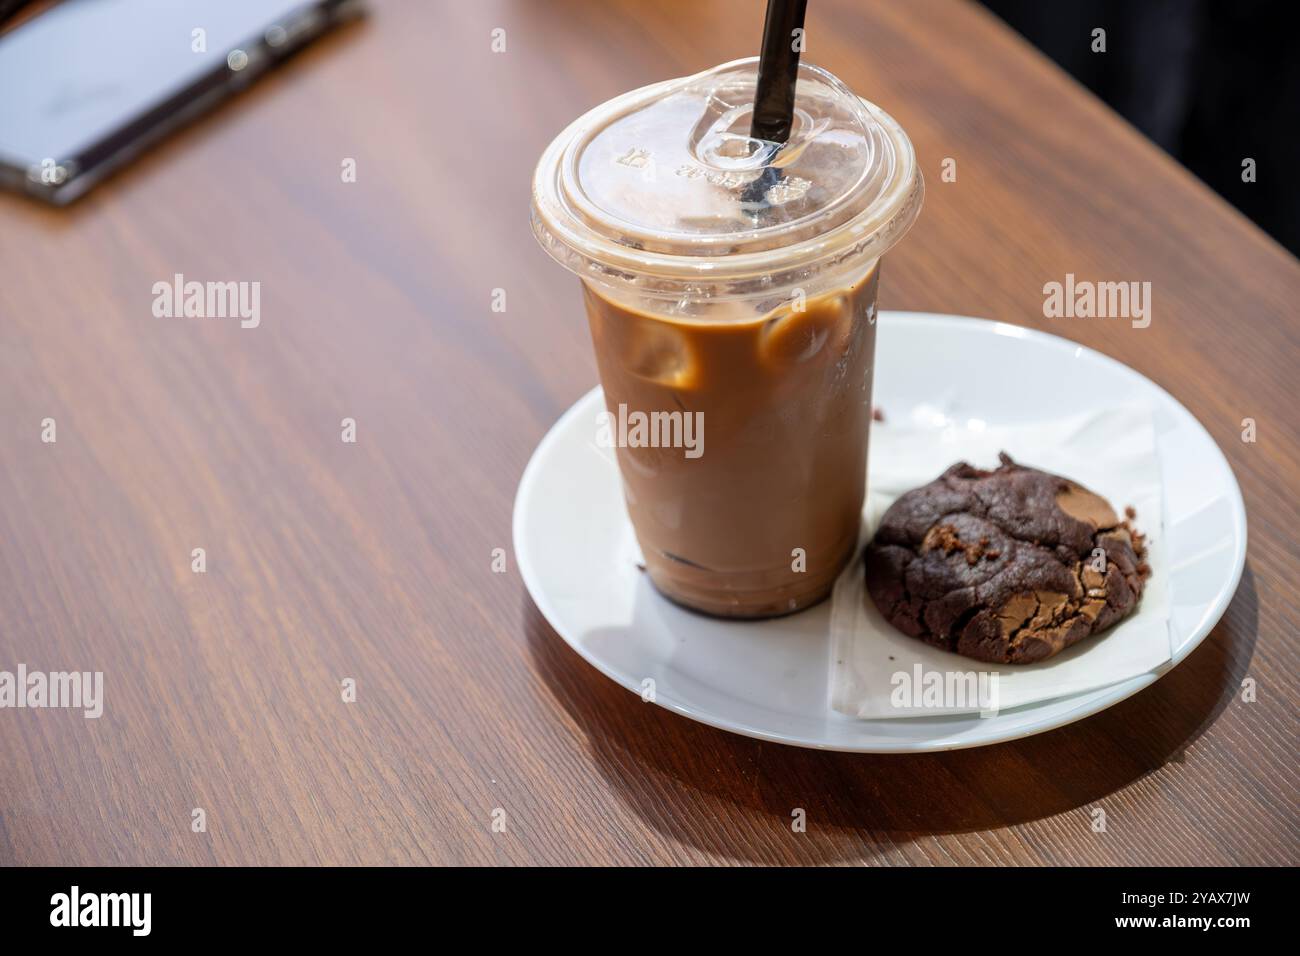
(730, 285)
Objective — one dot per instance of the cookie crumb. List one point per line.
(1139, 547)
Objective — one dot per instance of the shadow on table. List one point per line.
(711, 790)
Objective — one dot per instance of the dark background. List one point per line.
(1210, 81)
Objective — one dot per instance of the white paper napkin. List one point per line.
(1112, 452)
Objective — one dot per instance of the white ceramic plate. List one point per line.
(769, 679)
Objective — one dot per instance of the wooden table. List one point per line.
(373, 561)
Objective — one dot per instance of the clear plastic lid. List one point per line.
(663, 188)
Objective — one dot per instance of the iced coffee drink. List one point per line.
(730, 286)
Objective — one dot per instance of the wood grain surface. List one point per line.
(372, 560)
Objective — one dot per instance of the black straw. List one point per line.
(778, 68)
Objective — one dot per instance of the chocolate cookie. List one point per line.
(1007, 566)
